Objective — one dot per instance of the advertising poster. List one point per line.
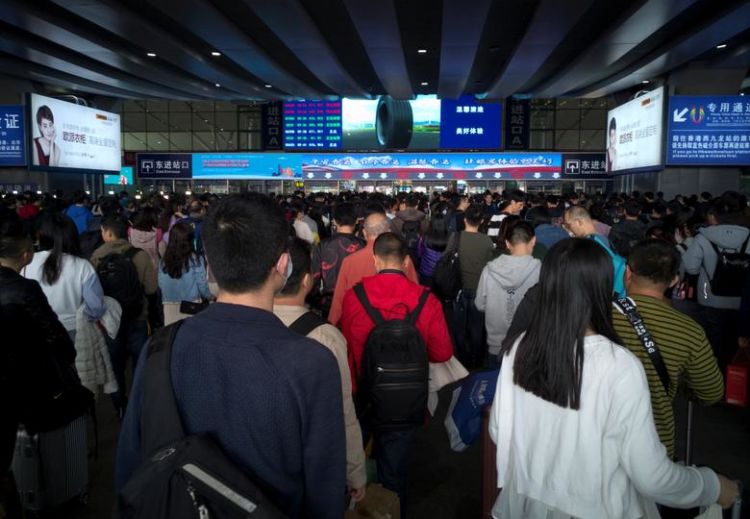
(125, 178)
(635, 133)
(12, 138)
(164, 165)
(257, 166)
(708, 131)
(312, 125)
(467, 124)
(68, 136)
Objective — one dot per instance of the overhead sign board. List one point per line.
(708, 131)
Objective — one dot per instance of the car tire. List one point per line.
(394, 123)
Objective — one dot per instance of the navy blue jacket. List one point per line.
(270, 398)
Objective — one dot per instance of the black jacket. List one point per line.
(32, 334)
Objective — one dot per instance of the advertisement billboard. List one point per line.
(257, 166)
(64, 135)
(708, 131)
(125, 178)
(152, 166)
(467, 124)
(635, 133)
(12, 138)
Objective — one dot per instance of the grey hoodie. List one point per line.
(502, 286)
(700, 258)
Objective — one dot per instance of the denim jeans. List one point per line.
(129, 342)
(467, 325)
(392, 457)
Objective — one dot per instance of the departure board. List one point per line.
(312, 125)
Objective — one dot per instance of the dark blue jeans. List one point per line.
(128, 344)
(467, 325)
(392, 457)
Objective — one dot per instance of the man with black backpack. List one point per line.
(411, 223)
(393, 327)
(720, 256)
(127, 274)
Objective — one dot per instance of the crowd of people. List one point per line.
(305, 326)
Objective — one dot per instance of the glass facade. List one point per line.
(568, 124)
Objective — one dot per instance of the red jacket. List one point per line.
(393, 295)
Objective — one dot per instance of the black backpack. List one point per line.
(119, 278)
(392, 392)
(446, 279)
(410, 232)
(732, 266)
(306, 323)
(182, 476)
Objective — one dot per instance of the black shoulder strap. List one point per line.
(627, 307)
(306, 323)
(376, 317)
(160, 418)
(131, 252)
(418, 310)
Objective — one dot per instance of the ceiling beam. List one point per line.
(377, 25)
(552, 21)
(462, 30)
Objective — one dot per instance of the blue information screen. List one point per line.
(708, 131)
(125, 178)
(312, 125)
(467, 124)
(12, 150)
(271, 166)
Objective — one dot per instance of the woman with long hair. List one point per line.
(182, 273)
(432, 245)
(572, 413)
(66, 278)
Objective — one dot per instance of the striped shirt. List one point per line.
(687, 355)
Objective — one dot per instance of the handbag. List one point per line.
(193, 307)
(447, 277)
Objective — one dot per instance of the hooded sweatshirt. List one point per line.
(80, 216)
(147, 241)
(502, 287)
(410, 214)
(700, 258)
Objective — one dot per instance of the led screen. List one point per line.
(64, 135)
(312, 125)
(635, 133)
(125, 178)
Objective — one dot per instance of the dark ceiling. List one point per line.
(361, 48)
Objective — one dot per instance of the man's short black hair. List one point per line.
(412, 200)
(116, 225)
(373, 207)
(390, 246)
(345, 214)
(656, 260)
(474, 215)
(514, 195)
(14, 240)
(633, 208)
(300, 252)
(79, 197)
(539, 216)
(519, 231)
(243, 236)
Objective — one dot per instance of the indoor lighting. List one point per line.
(188, 193)
(15, 192)
(218, 85)
(742, 93)
(421, 51)
(38, 192)
(151, 54)
(216, 54)
(110, 192)
(424, 83)
(645, 81)
(88, 192)
(161, 193)
(269, 86)
(166, 197)
(722, 46)
(137, 197)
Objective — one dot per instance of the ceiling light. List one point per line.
(742, 93)
(424, 83)
(421, 51)
(722, 46)
(645, 81)
(269, 86)
(216, 54)
(151, 54)
(110, 192)
(218, 85)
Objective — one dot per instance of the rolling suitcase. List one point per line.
(52, 468)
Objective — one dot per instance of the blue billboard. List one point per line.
(708, 131)
(12, 147)
(270, 166)
(164, 165)
(125, 178)
(467, 124)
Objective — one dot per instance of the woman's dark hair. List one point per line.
(43, 112)
(145, 219)
(180, 250)
(436, 237)
(575, 295)
(59, 235)
(612, 124)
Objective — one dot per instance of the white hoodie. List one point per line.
(502, 287)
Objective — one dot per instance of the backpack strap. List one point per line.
(160, 417)
(306, 323)
(418, 310)
(627, 307)
(376, 317)
(131, 252)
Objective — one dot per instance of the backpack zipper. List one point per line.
(381, 369)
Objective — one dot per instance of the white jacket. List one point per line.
(601, 461)
(93, 363)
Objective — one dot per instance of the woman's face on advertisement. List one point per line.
(612, 138)
(47, 128)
